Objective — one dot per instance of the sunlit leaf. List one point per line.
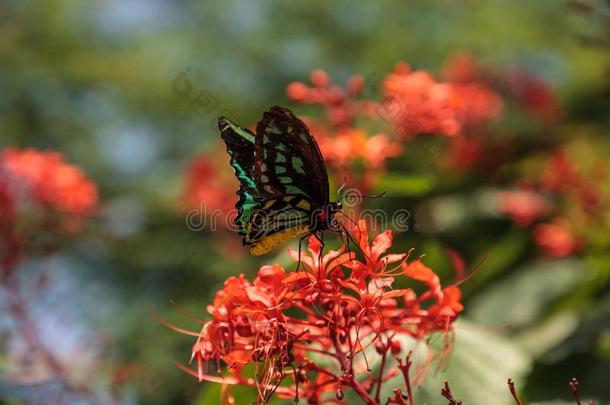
(524, 296)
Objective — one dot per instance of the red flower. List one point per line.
(47, 179)
(560, 174)
(343, 149)
(417, 104)
(534, 94)
(465, 152)
(376, 262)
(318, 266)
(335, 306)
(340, 104)
(211, 183)
(40, 194)
(343, 145)
(556, 239)
(461, 68)
(524, 207)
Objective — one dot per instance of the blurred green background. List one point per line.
(97, 82)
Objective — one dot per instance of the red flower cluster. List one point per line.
(343, 144)
(45, 178)
(475, 146)
(412, 103)
(210, 182)
(556, 239)
(341, 105)
(524, 206)
(579, 202)
(316, 327)
(416, 103)
(39, 193)
(533, 94)
(563, 178)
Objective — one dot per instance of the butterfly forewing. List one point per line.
(287, 158)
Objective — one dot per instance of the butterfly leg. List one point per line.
(320, 239)
(300, 243)
(346, 241)
(351, 238)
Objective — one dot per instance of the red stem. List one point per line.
(384, 355)
(513, 391)
(405, 367)
(574, 388)
(446, 392)
(347, 369)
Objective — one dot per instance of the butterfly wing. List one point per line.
(277, 220)
(282, 178)
(287, 158)
(240, 146)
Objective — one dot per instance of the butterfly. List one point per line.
(283, 183)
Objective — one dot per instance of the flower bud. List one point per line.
(395, 346)
(379, 347)
(320, 78)
(297, 91)
(339, 394)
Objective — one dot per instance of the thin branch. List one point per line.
(574, 388)
(384, 355)
(405, 367)
(513, 391)
(446, 392)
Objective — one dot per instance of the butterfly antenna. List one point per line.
(339, 196)
(380, 195)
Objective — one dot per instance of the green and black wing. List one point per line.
(282, 178)
(240, 146)
(287, 158)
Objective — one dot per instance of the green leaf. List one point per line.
(497, 258)
(525, 295)
(481, 363)
(479, 367)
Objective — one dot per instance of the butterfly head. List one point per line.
(325, 218)
(334, 209)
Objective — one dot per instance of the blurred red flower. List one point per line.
(335, 306)
(342, 144)
(415, 103)
(39, 194)
(524, 206)
(465, 152)
(209, 182)
(535, 95)
(556, 239)
(462, 67)
(347, 146)
(45, 178)
(340, 104)
(560, 174)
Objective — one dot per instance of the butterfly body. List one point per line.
(283, 189)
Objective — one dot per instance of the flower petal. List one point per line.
(381, 243)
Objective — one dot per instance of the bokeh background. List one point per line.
(130, 90)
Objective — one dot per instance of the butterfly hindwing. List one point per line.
(277, 220)
(240, 146)
(287, 158)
